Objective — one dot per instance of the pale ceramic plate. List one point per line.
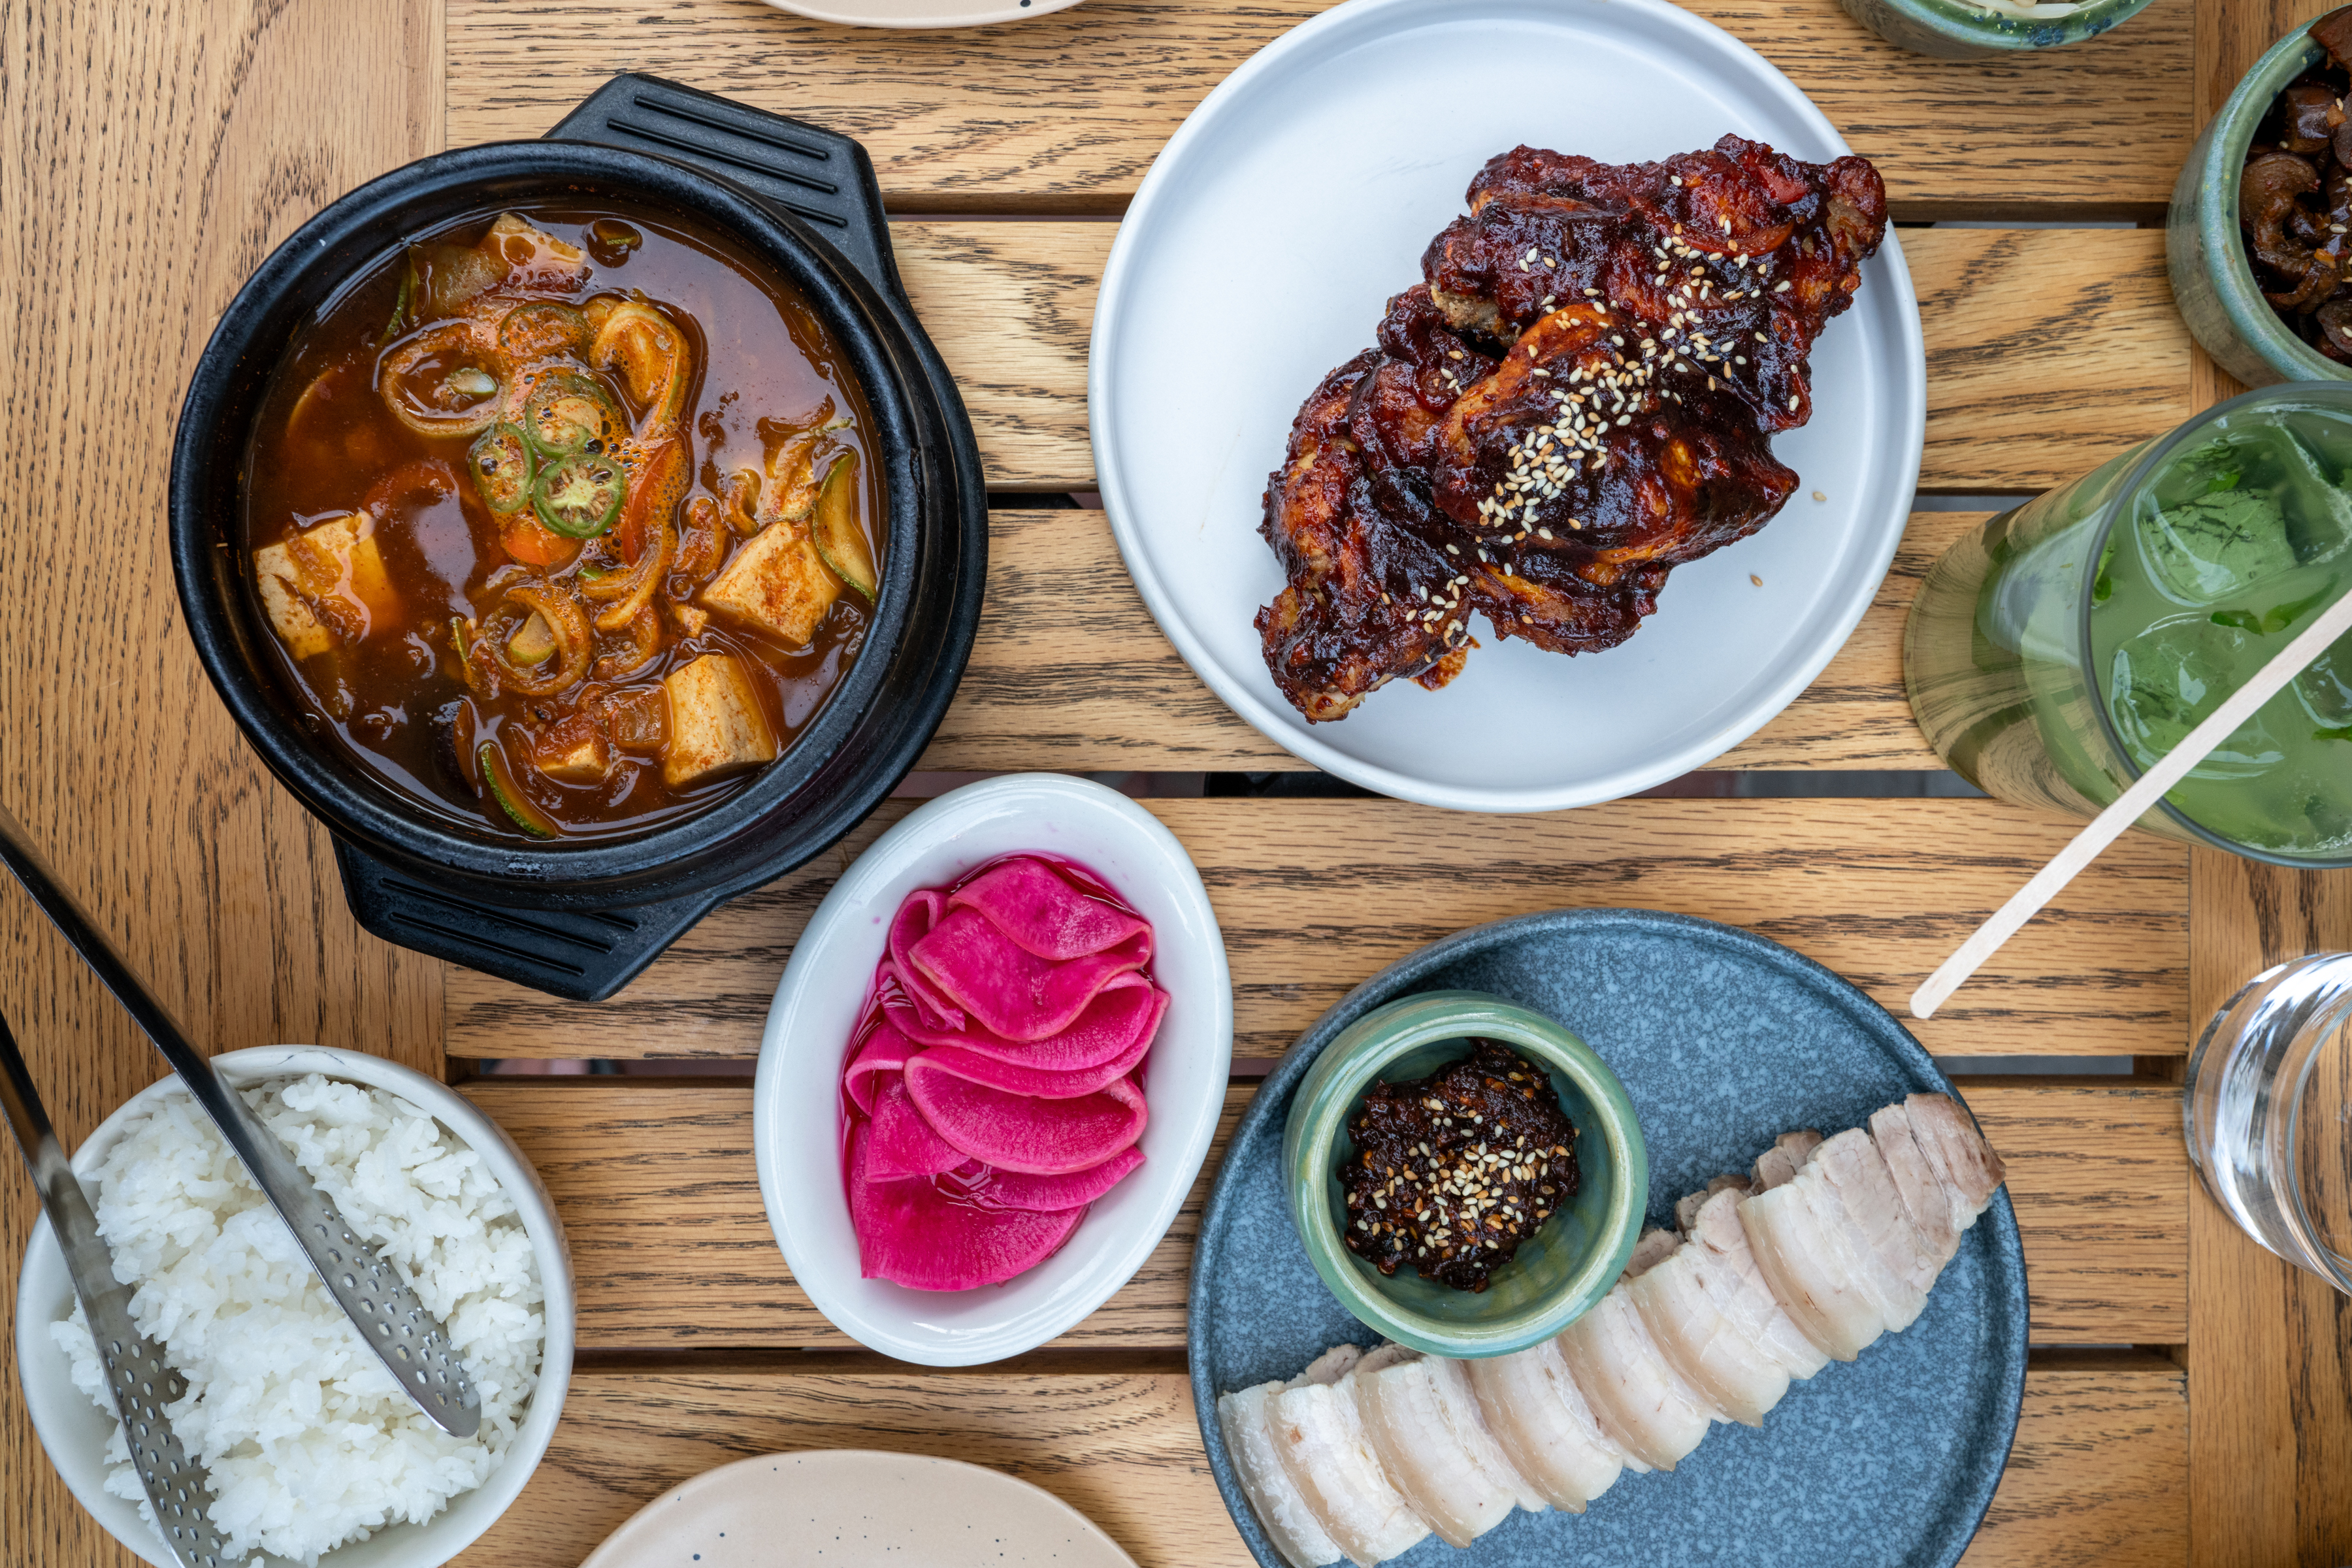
(73, 1431)
(848, 1505)
(921, 13)
(796, 1101)
(1258, 254)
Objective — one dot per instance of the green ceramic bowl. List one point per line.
(1951, 30)
(2206, 255)
(1573, 1259)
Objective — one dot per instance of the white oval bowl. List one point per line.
(74, 1432)
(796, 1104)
(1181, 459)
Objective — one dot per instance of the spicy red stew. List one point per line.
(564, 522)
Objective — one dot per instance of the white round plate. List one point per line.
(1259, 254)
(921, 13)
(848, 1505)
(796, 1101)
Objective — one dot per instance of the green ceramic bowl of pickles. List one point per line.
(1573, 1257)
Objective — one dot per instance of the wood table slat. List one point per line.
(2049, 350)
(1064, 113)
(148, 161)
(1070, 673)
(2096, 1473)
(1314, 895)
(658, 1194)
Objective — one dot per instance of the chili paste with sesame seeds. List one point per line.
(1453, 1172)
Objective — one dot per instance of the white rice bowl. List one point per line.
(309, 1442)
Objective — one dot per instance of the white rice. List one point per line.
(310, 1441)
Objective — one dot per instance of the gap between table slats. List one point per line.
(2049, 350)
(1314, 895)
(1064, 113)
(659, 1195)
(2097, 1473)
(1071, 673)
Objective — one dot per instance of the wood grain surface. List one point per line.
(1314, 895)
(149, 159)
(2049, 350)
(661, 1203)
(2094, 1476)
(2270, 1347)
(1064, 113)
(1071, 673)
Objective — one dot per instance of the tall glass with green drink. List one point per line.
(2066, 645)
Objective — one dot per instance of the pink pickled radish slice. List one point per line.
(1015, 1077)
(1021, 1132)
(1125, 1011)
(1032, 903)
(901, 1143)
(1051, 1194)
(917, 916)
(911, 1234)
(886, 1050)
(1009, 989)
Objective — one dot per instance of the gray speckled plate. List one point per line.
(1725, 1040)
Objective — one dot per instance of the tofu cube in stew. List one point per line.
(716, 723)
(326, 584)
(777, 584)
(586, 761)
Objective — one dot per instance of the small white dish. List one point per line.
(1301, 165)
(798, 1510)
(796, 1103)
(74, 1432)
(921, 13)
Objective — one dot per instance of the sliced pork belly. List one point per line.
(1777, 1166)
(1320, 1440)
(1639, 1398)
(1957, 1153)
(1847, 1184)
(1686, 1207)
(1701, 1343)
(1651, 1248)
(1727, 1270)
(1282, 1509)
(1423, 1422)
(1541, 1420)
(1808, 1269)
(1931, 1205)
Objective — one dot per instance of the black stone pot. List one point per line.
(579, 921)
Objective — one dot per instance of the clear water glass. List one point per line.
(2269, 1111)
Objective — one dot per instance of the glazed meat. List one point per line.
(1579, 397)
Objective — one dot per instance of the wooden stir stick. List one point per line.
(2128, 809)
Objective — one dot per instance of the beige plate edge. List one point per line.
(921, 13)
(653, 1534)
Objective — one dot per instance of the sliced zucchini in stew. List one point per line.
(519, 808)
(502, 468)
(533, 642)
(579, 496)
(568, 412)
(839, 540)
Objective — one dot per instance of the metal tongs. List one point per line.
(411, 1341)
(138, 1377)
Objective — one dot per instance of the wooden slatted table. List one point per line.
(2188, 1395)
